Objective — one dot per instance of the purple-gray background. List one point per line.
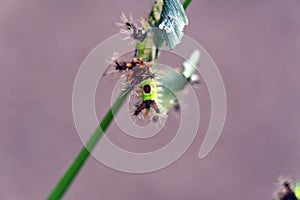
(256, 45)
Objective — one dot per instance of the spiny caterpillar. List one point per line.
(155, 92)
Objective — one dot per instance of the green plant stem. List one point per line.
(77, 164)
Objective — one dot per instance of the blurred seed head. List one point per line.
(284, 189)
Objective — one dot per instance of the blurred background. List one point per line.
(255, 44)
